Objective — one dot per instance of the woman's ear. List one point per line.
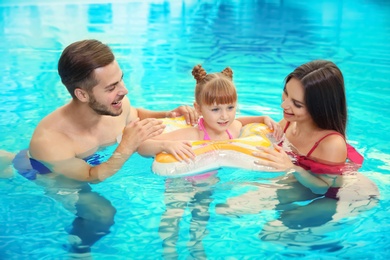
(197, 108)
(81, 95)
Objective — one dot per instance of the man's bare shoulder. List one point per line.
(129, 112)
(50, 141)
(55, 123)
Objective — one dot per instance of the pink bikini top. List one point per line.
(206, 135)
(353, 163)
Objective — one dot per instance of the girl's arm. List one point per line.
(181, 150)
(176, 143)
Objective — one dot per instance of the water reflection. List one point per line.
(306, 221)
(182, 195)
(157, 44)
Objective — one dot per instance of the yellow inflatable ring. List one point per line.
(212, 155)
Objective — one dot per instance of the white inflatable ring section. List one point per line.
(212, 155)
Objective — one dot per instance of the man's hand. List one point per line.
(138, 131)
(188, 112)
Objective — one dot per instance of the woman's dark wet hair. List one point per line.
(324, 90)
(78, 62)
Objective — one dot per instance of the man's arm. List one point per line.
(56, 151)
(188, 112)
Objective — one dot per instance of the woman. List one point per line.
(322, 184)
(315, 151)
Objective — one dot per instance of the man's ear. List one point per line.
(197, 108)
(81, 95)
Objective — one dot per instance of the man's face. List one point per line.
(106, 97)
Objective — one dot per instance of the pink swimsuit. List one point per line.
(206, 135)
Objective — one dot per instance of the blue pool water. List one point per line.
(157, 43)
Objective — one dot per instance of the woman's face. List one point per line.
(293, 104)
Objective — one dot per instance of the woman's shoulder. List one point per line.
(283, 124)
(331, 147)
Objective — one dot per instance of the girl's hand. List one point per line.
(277, 130)
(181, 150)
(274, 157)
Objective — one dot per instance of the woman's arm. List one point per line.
(277, 158)
(316, 184)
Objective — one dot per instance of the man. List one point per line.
(98, 115)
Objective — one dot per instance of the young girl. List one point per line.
(216, 104)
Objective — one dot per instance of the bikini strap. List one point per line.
(202, 128)
(206, 135)
(285, 128)
(229, 134)
(319, 141)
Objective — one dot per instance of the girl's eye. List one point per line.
(215, 109)
(231, 107)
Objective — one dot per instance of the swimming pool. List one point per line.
(157, 43)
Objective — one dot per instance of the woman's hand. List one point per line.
(181, 150)
(277, 158)
(277, 130)
(274, 157)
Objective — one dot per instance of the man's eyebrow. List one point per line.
(115, 83)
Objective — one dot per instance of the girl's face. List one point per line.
(293, 104)
(217, 117)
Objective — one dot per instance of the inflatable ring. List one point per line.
(212, 155)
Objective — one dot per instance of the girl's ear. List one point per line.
(81, 95)
(197, 108)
